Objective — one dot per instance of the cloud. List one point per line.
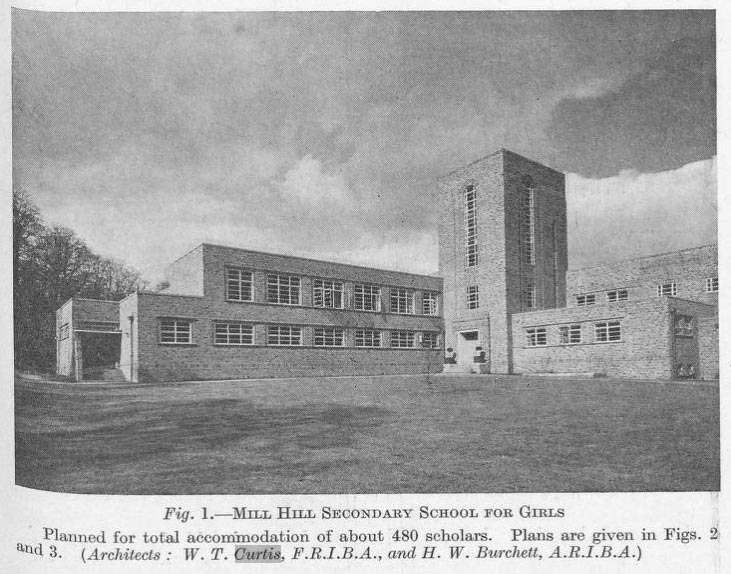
(306, 183)
(635, 214)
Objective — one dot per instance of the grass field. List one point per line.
(368, 435)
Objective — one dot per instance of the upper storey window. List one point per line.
(470, 224)
(712, 285)
(283, 289)
(402, 301)
(238, 285)
(583, 300)
(618, 295)
(667, 290)
(327, 294)
(430, 303)
(529, 222)
(367, 297)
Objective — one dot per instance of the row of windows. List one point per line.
(668, 289)
(604, 332)
(287, 290)
(180, 331)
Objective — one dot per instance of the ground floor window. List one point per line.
(284, 335)
(176, 331)
(403, 339)
(570, 334)
(430, 340)
(329, 337)
(607, 331)
(367, 338)
(536, 337)
(233, 334)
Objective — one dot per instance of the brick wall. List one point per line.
(643, 352)
(185, 274)
(708, 347)
(688, 268)
(204, 360)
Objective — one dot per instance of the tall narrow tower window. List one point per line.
(529, 224)
(470, 223)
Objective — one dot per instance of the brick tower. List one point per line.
(502, 250)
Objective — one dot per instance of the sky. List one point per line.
(322, 134)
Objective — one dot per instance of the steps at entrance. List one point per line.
(104, 374)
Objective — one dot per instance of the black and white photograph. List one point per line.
(376, 252)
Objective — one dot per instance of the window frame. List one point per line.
(328, 287)
(399, 336)
(667, 286)
(279, 335)
(280, 285)
(402, 295)
(617, 295)
(603, 331)
(374, 294)
(328, 336)
(473, 297)
(241, 283)
(472, 255)
(228, 334)
(432, 309)
(570, 334)
(586, 299)
(436, 339)
(176, 331)
(536, 337)
(362, 336)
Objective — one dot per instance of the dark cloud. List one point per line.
(658, 119)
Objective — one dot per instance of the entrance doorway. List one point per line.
(467, 349)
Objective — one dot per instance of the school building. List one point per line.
(505, 302)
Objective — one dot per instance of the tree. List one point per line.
(51, 265)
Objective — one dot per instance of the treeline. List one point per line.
(50, 265)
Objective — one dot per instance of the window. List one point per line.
(470, 222)
(238, 285)
(283, 289)
(583, 300)
(666, 290)
(430, 303)
(712, 285)
(529, 297)
(284, 335)
(329, 337)
(367, 338)
(403, 339)
(176, 331)
(327, 294)
(683, 326)
(402, 301)
(430, 340)
(536, 337)
(607, 332)
(63, 331)
(225, 333)
(473, 297)
(529, 225)
(367, 298)
(618, 295)
(570, 334)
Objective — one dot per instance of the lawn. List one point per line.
(367, 435)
